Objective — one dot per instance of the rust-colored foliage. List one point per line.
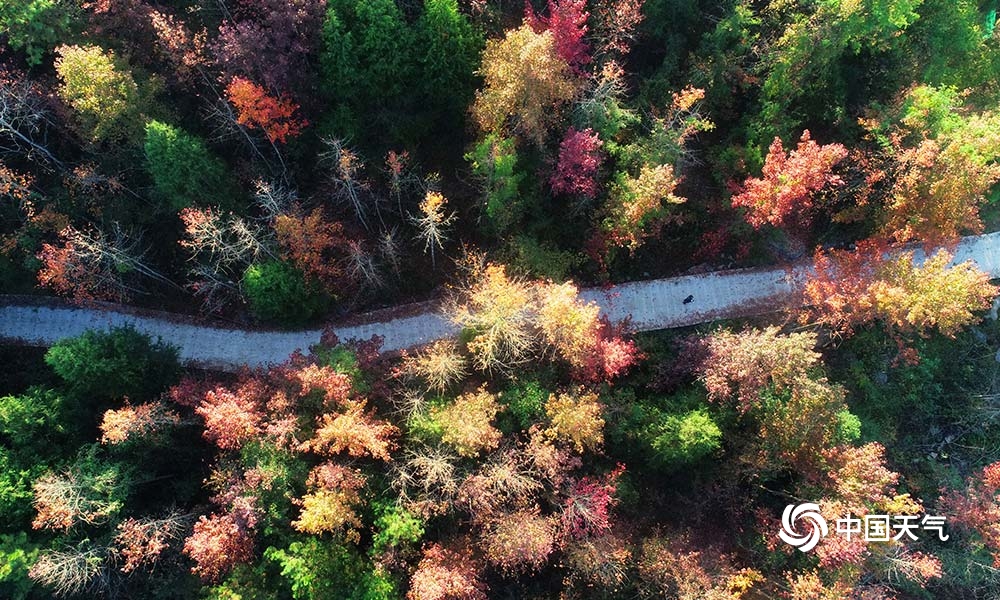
(739, 365)
(135, 422)
(217, 544)
(354, 431)
(256, 109)
(977, 508)
(315, 244)
(783, 195)
(447, 574)
(848, 289)
(231, 417)
(519, 542)
(140, 542)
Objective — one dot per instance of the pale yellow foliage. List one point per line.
(576, 418)
(567, 323)
(525, 80)
(497, 310)
(467, 424)
(440, 365)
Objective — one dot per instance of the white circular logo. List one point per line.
(807, 511)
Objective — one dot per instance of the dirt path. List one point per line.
(656, 304)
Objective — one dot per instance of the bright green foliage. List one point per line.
(15, 491)
(685, 438)
(100, 90)
(317, 570)
(16, 556)
(278, 292)
(35, 26)
(33, 423)
(449, 53)
(494, 165)
(184, 172)
(395, 526)
(114, 364)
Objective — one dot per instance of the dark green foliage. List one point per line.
(115, 364)
(34, 424)
(449, 55)
(184, 172)
(279, 293)
(525, 405)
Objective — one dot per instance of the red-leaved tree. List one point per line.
(256, 109)
(579, 160)
(567, 21)
(782, 196)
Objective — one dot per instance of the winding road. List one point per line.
(652, 305)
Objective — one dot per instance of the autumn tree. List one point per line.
(141, 542)
(567, 323)
(678, 568)
(977, 507)
(567, 20)
(637, 205)
(90, 492)
(232, 418)
(586, 511)
(218, 543)
(943, 179)
(256, 109)
(738, 366)
(849, 289)
(184, 172)
(329, 504)
(100, 90)
(616, 23)
(447, 574)
(314, 243)
(91, 265)
(354, 431)
(440, 365)
(432, 221)
(579, 160)
(525, 81)
(139, 422)
(519, 542)
(273, 41)
(783, 195)
(576, 418)
(467, 423)
(496, 310)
